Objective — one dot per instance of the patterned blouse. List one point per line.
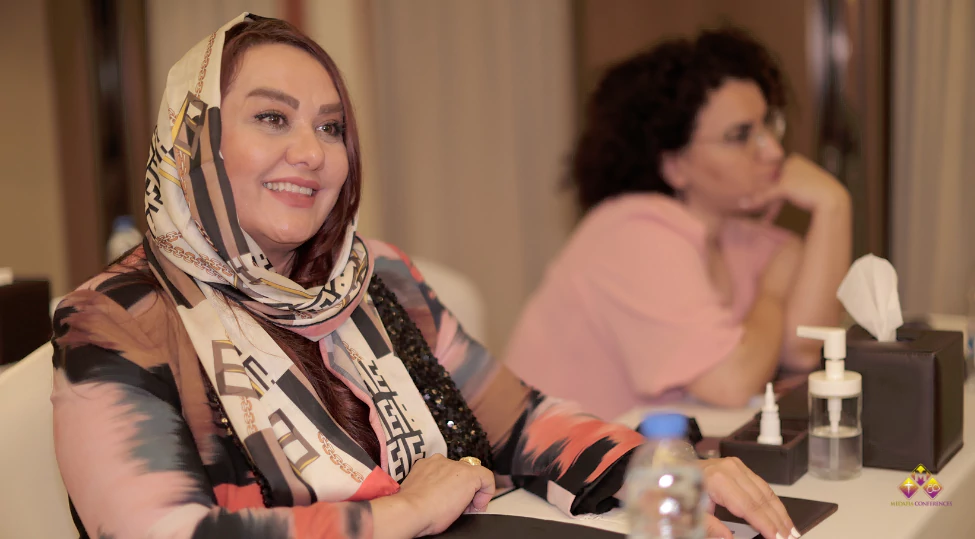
(143, 453)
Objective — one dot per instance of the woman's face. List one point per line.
(282, 146)
(734, 152)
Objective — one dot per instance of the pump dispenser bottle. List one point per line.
(835, 394)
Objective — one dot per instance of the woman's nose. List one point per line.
(305, 150)
(769, 147)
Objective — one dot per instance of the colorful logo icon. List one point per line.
(920, 475)
(909, 488)
(920, 479)
(932, 488)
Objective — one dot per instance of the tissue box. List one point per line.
(25, 319)
(913, 396)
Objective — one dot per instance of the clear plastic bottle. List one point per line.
(664, 490)
(835, 407)
(124, 237)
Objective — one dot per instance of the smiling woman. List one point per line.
(283, 147)
(271, 135)
(257, 369)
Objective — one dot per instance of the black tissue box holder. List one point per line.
(913, 396)
(779, 464)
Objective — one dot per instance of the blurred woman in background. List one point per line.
(676, 281)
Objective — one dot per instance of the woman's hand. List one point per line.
(436, 492)
(805, 185)
(731, 484)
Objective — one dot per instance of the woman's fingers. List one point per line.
(486, 491)
(762, 496)
(727, 492)
(767, 497)
(440, 490)
(715, 529)
(728, 485)
(772, 213)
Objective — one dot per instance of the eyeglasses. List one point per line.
(752, 138)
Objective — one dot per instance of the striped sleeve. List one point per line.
(131, 462)
(545, 445)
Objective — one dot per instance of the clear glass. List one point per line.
(664, 492)
(835, 453)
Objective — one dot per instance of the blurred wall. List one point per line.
(32, 240)
(476, 102)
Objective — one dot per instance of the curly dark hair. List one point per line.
(647, 105)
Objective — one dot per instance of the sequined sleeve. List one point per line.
(543, 444)
(134, 439)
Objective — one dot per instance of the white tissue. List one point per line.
(869, 294)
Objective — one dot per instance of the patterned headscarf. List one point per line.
(219, 279)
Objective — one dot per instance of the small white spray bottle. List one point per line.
(835, 402)
(770, 428)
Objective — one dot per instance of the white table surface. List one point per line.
(865, 509)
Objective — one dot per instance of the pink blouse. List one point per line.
(627, 314)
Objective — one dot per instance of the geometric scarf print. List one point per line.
(219, 278)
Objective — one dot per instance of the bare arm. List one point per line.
(825, 256)
(825, 260)
(752, 363)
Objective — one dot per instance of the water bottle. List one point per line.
(664, 492)
(124, 237)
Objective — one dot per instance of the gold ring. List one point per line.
(473, 461)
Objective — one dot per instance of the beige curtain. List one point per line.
(476, 104)
(173, 26)
(933, 154)
(33, 241)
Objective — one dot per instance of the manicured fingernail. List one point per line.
(796, 534)
(778, 536)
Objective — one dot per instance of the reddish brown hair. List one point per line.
(313, 260)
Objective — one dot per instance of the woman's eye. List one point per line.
(273, 119)
(740, 135)
(332, 130)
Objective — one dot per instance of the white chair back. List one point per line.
(459, 294)
(33, 502)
